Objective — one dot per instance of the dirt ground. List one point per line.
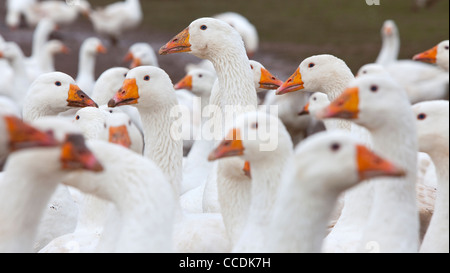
(280, 53)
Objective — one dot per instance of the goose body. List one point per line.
(432, 131)
(393, 222)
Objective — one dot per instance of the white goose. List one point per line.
(393, 223)
(115, 19)
(330, 75)
(86, 63)
(62, 13)
(246, 29)
(436, 55)
(433, 135)
(21, 78)
(422, 81)
(390, 46)
(261, 139)
(107, 85)
(141, 54)
(14, 10)
(51, 94)
(21, 216)
(151, 90)
(335, 162)
(47, 56)
(94, 211)
(217, 41)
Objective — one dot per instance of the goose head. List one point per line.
(316, 102)
(262, 78)
(335, 161)
(436, 55)
(372, 69)
(432, 126)
(141, 54)
(72, 149)
(370, 101)
(204, 38)
(10, 51)
(56, 47)
(198, 80)
(17, 134)
(315, 73)
(56, 92)
(255, 137)
(108, 83)
(389, 29)
(92, 46)
(145, 86)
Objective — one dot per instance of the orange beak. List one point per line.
(345, 106)
(180, 43)
(77, 98)
(1, 54)
(428, 56)
(371, 165)
(294, 83)
(119, 135)
(305, 110)
(268, 81)
(65, 49)
(127, 94)
(22, 135)
(184, 83)
(247, 170)
(128, 57)
(230, 146)
(135, 63)
(101, 49)
(75, 155)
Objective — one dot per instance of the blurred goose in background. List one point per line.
(16, 86)
(141, 54)
(421, 80)
(115, 19)
(433, 135)
(60, 12)
(246, 29)
(89, 50)
(47, 57)
(436, 55)
(14, 10)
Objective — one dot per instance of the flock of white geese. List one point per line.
(93, 165)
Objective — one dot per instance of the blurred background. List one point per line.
(289, 31)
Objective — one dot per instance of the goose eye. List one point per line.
(200, 75)
(311, 65)
(203, 27)
(111, 111)
(364, 72)
(335, 147)
(129, 122)
(125, 75)
(374, 88)
(446, 47)
(58, 83)
(251, 66)
(421, 116)
(104, 125)
(255, 125)
(77, 117)
(314, 98)
(147, 78)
